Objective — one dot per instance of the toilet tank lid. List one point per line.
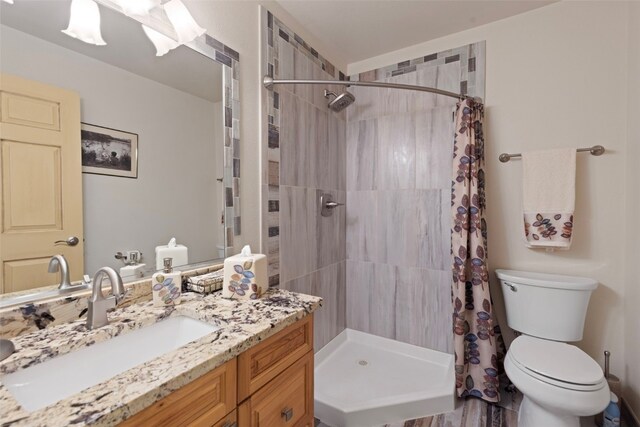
(545, 280)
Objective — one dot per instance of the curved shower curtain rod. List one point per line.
(269, 82)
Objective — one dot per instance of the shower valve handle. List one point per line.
(327, 204)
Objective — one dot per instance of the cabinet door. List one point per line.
(287, 401)
(231, 420)
(203, 402)
(260, 364)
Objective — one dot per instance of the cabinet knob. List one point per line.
(287, 414)
(230, 424)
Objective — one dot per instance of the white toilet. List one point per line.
(560, 383)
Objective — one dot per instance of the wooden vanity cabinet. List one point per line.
(202, 402)
(231, 420)
(286, 401)
(269, 385)
(275, 379)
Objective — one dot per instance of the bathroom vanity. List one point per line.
(270, 384)
(253, 367)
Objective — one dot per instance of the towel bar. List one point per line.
(596, 150)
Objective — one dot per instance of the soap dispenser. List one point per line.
(166, 285)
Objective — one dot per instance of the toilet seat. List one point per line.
(556, 363)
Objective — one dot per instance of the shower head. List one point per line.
(340, 102)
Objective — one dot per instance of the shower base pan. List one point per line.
(363, 380)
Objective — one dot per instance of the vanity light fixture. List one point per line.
(8, 1)
(84, 22)
(137, 7)
(183, 23)
(162, 43)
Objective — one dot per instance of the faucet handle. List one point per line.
(119, 297)
(111, 302)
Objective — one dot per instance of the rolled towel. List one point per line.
(206, 283)
(549, 197)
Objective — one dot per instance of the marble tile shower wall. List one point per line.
(399, 151)
(305, 157)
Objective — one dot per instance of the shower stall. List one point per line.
(375, 373)
(382, 144)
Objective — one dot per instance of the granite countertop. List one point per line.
(243, 324)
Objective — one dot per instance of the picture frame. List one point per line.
(107, 151)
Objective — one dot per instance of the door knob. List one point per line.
(287, 414)
(71, 241)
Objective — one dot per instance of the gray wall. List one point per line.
(399, 166)
(312, 150)
(306, 157)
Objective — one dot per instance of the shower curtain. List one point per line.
(478, 345)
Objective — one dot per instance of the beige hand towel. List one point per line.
(549, 197)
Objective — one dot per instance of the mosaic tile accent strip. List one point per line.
(230, 60)
(275, 32)
(274, 26)
(472, 67)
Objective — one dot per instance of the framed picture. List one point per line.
(109, 151)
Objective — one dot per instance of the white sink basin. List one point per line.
(49, 382)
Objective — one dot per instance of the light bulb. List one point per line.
(137, 7)
(84, 22)
(162, 43)
(186, 27)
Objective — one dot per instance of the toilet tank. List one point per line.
(549, 306)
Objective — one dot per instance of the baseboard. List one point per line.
(629, 418)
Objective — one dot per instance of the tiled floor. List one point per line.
(468, 413)
(476, 413)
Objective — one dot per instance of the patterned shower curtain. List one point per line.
(478, 345)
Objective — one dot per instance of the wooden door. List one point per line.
(41, 191)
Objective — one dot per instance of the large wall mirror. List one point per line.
(157, 156)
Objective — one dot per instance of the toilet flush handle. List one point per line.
(510, 286)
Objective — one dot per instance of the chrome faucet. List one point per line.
(98, 303)
(59, 263)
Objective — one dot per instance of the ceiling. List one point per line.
(362, 29)
(127, 46)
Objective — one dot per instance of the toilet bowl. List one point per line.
(560, 383)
